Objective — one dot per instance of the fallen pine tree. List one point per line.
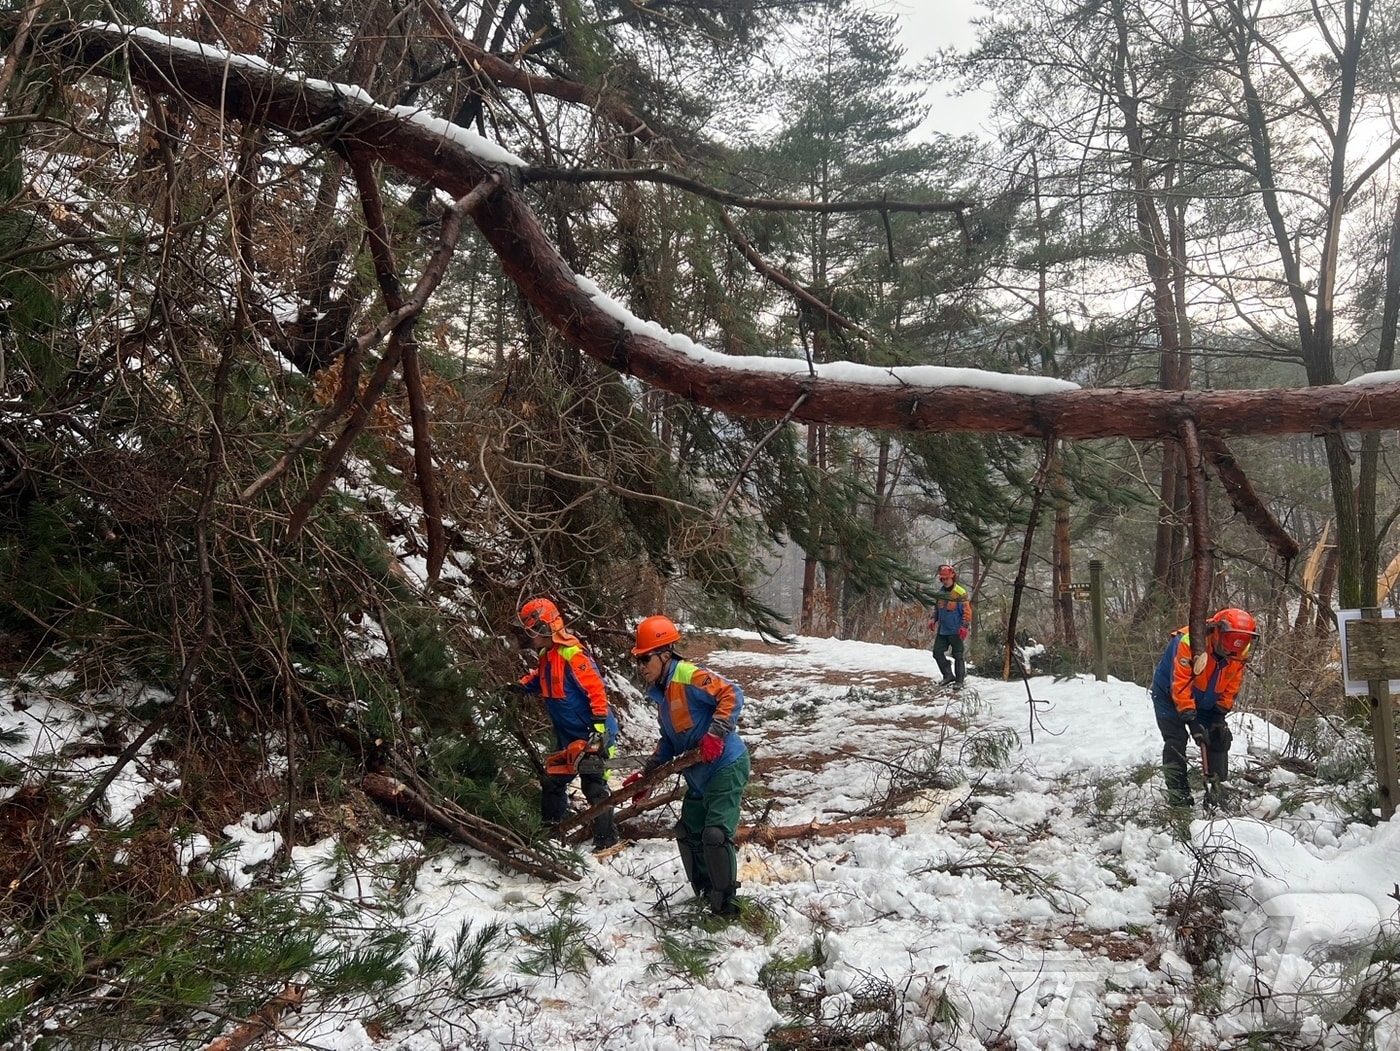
(505, 845)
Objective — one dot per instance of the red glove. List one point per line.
(933, 624)
(633, 779)
(711, 747)
(962, 634)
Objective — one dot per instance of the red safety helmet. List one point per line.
(653, 633)
(1235, 632)
(539, 614)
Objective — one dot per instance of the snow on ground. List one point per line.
(1024, 905)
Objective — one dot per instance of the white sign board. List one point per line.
(1357, 687)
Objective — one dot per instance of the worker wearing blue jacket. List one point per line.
(567, 679)
(952, 617)
(697, 708)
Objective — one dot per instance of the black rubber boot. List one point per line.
(722, 903)
(722, 864)
(698, 883)
(554, 799)
(595, 790)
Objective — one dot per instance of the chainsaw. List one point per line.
(574, 760)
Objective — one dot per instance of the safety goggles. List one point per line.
(646, 658)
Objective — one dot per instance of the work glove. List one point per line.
(711, 747)
(962, 634)
(933, 624)
(1195, 729)
(640, 795)
(597, 738)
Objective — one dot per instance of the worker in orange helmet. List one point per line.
(697, 708)
(1195, 706)
(952, 617)
(568, 680)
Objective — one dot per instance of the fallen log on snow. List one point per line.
(626, 813)
(770, 835)
(496, 841)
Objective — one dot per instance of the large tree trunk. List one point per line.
(876, 398)
(1367, 526)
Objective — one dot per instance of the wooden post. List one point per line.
(1096, 619)
(1373, 654)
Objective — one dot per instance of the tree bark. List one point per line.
(917, 399)
(1245, 500)
(1202, 550)
(1018, 588)
(624, 795)
(769, 835)
(257, 1027)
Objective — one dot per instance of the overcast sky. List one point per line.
(927, 26)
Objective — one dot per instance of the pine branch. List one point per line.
(266, 1019)
(493, 840)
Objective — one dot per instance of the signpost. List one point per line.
(1371, 654)
(1093, 591)
(1097, 619)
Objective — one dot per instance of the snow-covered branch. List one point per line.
(920, 398)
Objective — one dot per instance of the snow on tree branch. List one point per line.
(919, 398)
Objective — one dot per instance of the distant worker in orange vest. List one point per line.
(1195, 706)
(584, 725)
(952, 617)
(700, 709)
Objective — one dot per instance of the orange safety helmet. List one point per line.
(949, 568)
(653, 633)
(1236, 630)
(540, 611)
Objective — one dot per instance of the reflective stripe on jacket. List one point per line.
(1176, 693)
(688, 698)
(952, 610)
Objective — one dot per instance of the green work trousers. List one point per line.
(718, 807)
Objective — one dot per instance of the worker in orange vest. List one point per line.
(1191, 706)
(568, 680)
